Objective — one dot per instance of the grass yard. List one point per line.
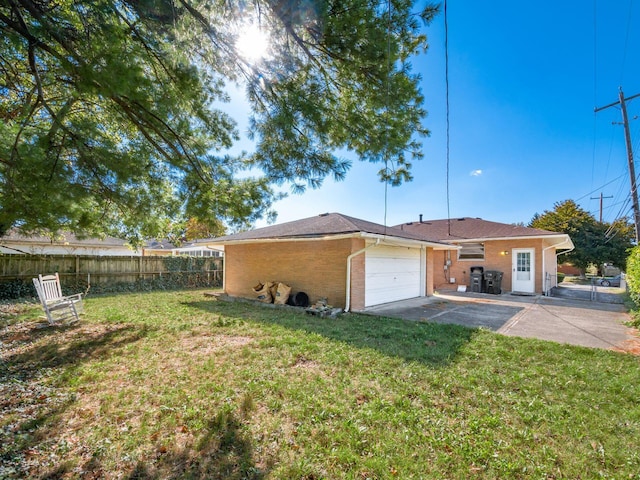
(177, 385)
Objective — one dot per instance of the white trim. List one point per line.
(423, 272)
(347, 303)
(545, 288)
(561, 236)
(391, 240)
(224, 275)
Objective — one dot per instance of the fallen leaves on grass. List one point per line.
(28, 397)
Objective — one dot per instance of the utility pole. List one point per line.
(632, 171)
(601, 197)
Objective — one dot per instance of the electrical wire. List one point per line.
(600, 187)
(386, 154)
(595, 89)
(626, 42)
(446, 79)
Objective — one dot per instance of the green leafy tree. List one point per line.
(113, 111)
(194, 229)
(595, 242)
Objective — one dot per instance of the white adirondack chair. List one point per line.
(56, 306)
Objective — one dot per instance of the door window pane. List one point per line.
(523, 266)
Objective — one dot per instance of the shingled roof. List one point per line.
(468, 228)
(63, 238)
(320, 226)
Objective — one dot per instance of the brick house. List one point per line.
(350, 262)
(528, 257)
(65, 243)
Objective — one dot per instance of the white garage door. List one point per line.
(391, 274)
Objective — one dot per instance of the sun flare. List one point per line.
(252, 43)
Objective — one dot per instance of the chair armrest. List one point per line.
(59, 303)
(62, 301)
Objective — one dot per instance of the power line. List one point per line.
(446, 80)
(386, 155)
(626, 41)
(621, 196)
(595, 88)
(600, 187)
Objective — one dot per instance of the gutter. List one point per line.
(347, 304)
(573, 247)
(546, 290)
(386, 239)
(522, 237)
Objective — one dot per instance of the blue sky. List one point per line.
(524, 78)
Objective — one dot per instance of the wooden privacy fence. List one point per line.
(106, 270)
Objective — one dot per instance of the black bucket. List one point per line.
(299, 299)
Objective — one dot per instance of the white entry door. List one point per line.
(523, 278)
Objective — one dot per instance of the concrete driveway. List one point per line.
(576, 322)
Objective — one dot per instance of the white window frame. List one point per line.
(465, 256)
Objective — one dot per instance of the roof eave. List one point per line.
(560, 237)
(306, 238)
(389, 239)
(394, 240)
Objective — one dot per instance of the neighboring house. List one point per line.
(64, 244)
(351, 262)
(195, 248)
(528, 257)
(199, 248)
(158, 248)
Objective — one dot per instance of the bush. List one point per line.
(16, 289)
(561, 277)
(633, 282)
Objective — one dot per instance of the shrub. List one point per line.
(561, 277)
(633, 282)
(16, 289)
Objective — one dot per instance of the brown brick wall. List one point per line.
(357, 278)
(430, 259)
(494, 260)
(318, 268)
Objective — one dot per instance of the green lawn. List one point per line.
(177, 385)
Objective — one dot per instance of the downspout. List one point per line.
(347, 305)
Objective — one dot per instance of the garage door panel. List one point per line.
(392, 273)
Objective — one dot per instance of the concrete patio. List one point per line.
(562, 320)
